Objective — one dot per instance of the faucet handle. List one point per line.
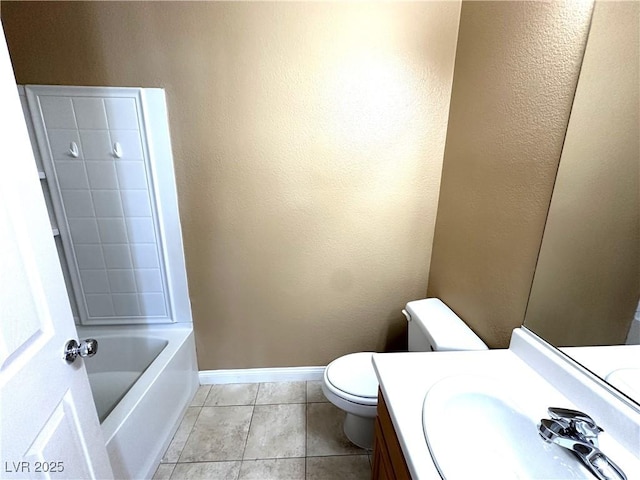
(553, 431)
(577, 421)
(577, 416)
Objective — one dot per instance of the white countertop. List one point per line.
(405, 379)
(604, 360)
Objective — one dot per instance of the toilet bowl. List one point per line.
(350, 382)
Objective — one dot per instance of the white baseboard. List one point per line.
(261, 375)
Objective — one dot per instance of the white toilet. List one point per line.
(350, 382)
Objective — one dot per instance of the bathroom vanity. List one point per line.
(388, 460)
(476, 414)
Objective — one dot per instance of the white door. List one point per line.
(48, 424)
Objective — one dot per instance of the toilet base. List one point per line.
(359, 430)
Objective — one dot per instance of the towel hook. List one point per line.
(117, 150)
(73, 150)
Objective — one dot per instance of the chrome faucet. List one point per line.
(577, 432)
(576, 423)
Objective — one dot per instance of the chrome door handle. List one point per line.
(86, 348)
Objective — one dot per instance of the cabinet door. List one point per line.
(96, 157)
(391, 453)
(382, 469)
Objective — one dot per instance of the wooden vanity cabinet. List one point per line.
(388, 459)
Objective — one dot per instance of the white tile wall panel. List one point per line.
(141, 230)
(32, 135)
(67, 278)
(131, 175)
(145, 255)
(152, 304)
(72, 174)
(102, 174)
(122, 281)
(122, 113)
(117, 256)
(99, 305)
(60, 144)
(90, 113)
(130, 145)
(89, 257)
(94, 281)
(136, 203)
(126, 305)
(96, 144)
(48, 203)
(107, 203)
(149, 280)
(58, 112)
(36, 147)
(77, 203)
(112, 230)
(84, 230)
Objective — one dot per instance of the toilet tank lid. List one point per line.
(442, 327)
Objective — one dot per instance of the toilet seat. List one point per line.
(350, 383)
(353, 378)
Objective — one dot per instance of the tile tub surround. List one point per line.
(283, 430)
(108, 168)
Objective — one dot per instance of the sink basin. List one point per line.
(475, 429)
(627, 380)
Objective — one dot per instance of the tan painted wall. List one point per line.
(308, 141)
(516, 68)
(587, 281)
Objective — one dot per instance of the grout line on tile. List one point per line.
(255, 397)
(350, 454)
(165, 464)
(246, 439)
(240, 466)
(306, 431)
(188, 436)
(306, 421)
(176, 433)
(206, 461)
(206, 397)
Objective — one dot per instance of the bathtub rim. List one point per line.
(176, 334)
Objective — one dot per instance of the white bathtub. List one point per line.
(143, 379)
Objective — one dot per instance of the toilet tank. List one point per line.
(434, 327)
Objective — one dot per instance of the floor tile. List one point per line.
(200, 396)
(232, 394)
(272, 469)
(164, 471)
(324, 431)
(206, 471)
(314, 392)
(219, 434)
(277, 431)
(282, 392)
(182, 434)
(350, 467)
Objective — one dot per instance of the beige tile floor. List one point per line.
(263, 431)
